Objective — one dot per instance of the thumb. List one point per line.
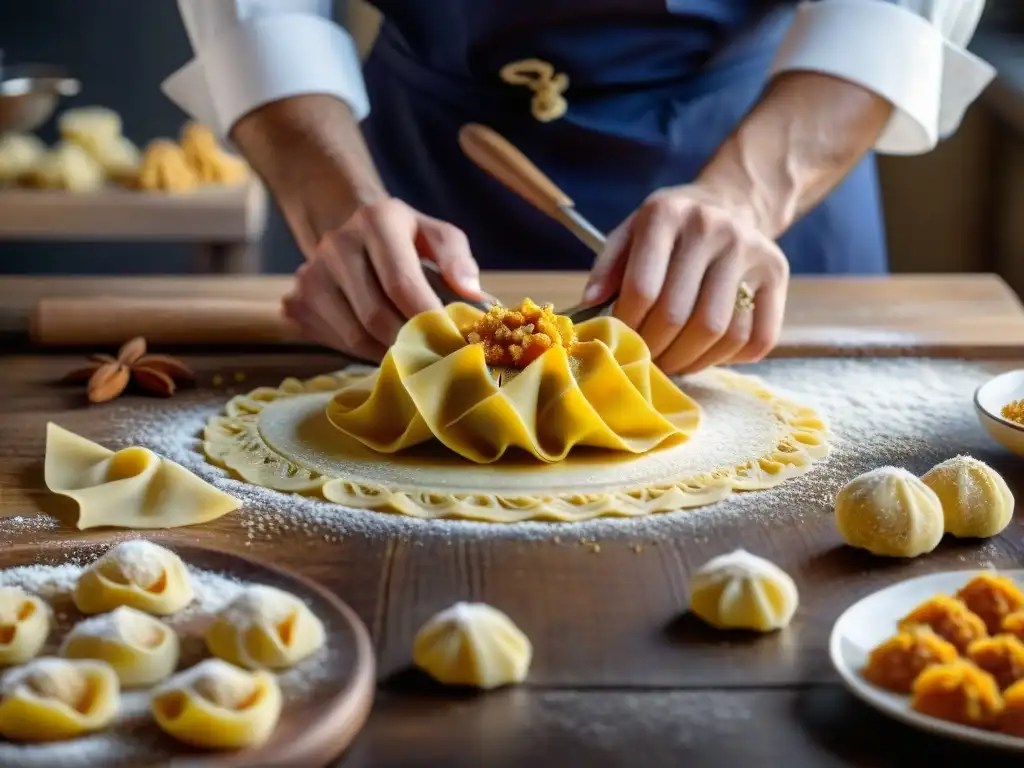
(448, 247)
(610, 265)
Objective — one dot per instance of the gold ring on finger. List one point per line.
(744, 298)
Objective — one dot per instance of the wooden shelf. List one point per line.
(212, 215)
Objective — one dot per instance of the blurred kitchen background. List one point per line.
(960, 208)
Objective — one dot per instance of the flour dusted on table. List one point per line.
(899, 411)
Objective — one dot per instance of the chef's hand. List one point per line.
(364, 280)
(679, 261)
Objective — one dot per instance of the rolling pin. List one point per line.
(109, 321)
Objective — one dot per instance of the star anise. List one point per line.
(109, 376)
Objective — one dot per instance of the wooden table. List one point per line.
(225, 225)
(621, 676)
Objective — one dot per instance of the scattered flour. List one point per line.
(905, 412)
(134, 739)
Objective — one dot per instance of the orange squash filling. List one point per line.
(515, 337)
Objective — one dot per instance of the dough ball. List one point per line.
(164, 168)
(976, 501)
(265, 628)
(24, 626)
(889, 512)
(743, 591)
(138, 573)
(84, 125)
(51, 699)
(141, 649)
(219, 706)
(19, 154)
(472, 644)
(67, 166)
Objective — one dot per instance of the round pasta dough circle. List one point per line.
(750, 438)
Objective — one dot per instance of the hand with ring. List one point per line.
(697, 279)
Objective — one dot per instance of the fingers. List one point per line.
(655, 231)
(766, 321)
(390, 231)
(448, 247)
(725, 349)
(694, 251)
(341, 263)
(606, 274)
(712, 315)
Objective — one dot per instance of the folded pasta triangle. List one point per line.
(604, 392)
(132, 488)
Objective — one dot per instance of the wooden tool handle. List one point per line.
(500, 159)
(110, 321)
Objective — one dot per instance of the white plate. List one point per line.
(868, 622)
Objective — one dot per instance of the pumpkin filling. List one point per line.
(515, 337)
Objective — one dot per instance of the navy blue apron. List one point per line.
(655, 86)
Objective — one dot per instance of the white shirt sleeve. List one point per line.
(252, 52)
(911, 52)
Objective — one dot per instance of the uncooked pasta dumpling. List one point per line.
(211, 162)
(119, 158)
(67, 166)
(219, 706)
(976, 501)
(473, 644)
(889, 512)
(24, 626)
(141, 649)
(164, 168)
(265, 628)
(88, 125)
(51, 699)
(743, 591)
(19, 153)
(138, 573)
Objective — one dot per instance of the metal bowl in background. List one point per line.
(29, 94)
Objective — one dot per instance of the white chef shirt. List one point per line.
(911, 52)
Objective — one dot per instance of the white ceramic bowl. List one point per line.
(989, 400)
(872, 620)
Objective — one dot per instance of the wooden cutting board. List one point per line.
(316, 726)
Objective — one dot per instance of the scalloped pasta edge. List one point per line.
(232, 441)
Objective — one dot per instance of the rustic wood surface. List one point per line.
(212, 215)
(938, 315)
(312, 729)
(621, 672)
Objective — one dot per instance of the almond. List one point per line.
(108, 382)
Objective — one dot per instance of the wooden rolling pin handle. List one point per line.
(111, 321)
(500, 159)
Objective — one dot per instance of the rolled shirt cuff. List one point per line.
(895, 53)
(265, 60)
